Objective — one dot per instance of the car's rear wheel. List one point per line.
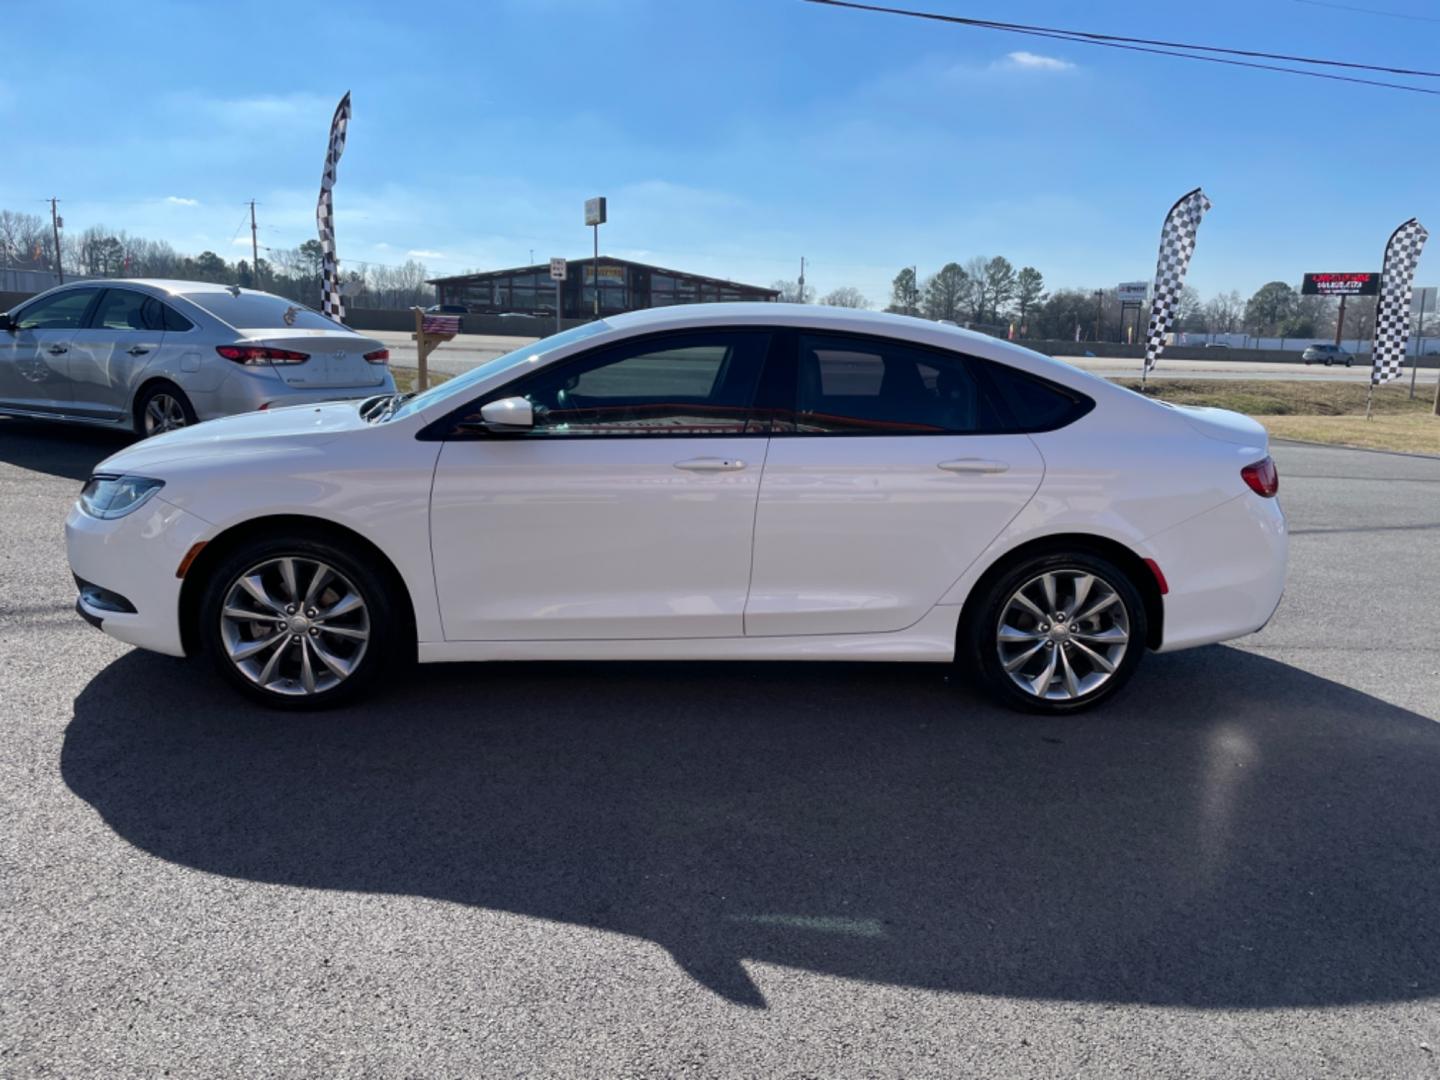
(1056, 633)
(297, 624)
(162, 407)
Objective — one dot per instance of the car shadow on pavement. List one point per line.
(1232, 832)
(68, 450)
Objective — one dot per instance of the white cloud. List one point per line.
(1035, 62)
(180, 200)
(422, 253)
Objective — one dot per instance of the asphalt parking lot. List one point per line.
(735, 869)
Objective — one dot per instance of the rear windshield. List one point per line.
(260, 311)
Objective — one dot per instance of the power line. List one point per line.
(1371, 11)
(1159, 48)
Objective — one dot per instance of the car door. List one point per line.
(896, 476)
(123, 335)
(625, 512)
(34, 355)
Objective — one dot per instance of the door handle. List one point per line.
(711, 464)
(136, 350)
(973, 465)
(57, 350)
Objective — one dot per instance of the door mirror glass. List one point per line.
(5, 323)
(508, 414)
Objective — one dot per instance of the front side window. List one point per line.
(861, 386)
(63, 311)
(678, 385)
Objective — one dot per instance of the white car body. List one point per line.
(781, 547)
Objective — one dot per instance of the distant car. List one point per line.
(1328, 355)
(1216, 345)
(153, 356)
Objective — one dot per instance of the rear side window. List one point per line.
(867, 386)
(259, 311)
(1028, 403)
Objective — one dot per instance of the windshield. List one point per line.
(260, 311)
(460, 385)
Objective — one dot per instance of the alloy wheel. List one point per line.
(294, 626)
(163, 412)
(1062, 635)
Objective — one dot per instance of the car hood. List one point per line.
(264, 432)
(1224, 425)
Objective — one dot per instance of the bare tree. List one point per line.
(979, 287)
(790, 292)
(1000, 284)
(845, 296)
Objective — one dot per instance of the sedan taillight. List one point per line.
(260, 354)
(379, 356)
(1263, 477)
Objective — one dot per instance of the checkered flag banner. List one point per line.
(1177, 244)
(1392, 314)
(330, 302)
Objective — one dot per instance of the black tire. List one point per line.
(167, 393)
(354, 571)
(1328, 361)
(1349, 363)
(978, 651)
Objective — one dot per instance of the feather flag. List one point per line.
(1392, 315)
(330, 302)
(1177, 244)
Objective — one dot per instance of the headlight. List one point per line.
(107, 496)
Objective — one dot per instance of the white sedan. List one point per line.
(714, 482)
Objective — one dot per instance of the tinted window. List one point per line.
(695, 384)
(259, 311)
(121, 309)
(1032, 404)
(169, 318)
(64, 311)
(859, 386)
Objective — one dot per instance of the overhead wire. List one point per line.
(1179, 50)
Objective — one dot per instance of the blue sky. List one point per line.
(730, 136)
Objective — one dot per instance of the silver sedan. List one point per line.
(158, 355)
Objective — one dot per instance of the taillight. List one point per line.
(379, 356)
(1263, 477)
(260, 354)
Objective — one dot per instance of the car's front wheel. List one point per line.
(1056, 633)
(297, 624)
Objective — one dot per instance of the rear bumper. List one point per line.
(1226, 571)
(135, 557)
(246, 390)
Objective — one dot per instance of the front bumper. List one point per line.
(1226, 571)
(136, 557)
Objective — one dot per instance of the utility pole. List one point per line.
(55, 225)
(1099, 311)
(912, 302)
(800, 291)
(254, 249)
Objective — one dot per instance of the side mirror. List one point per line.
(6, 323)
(508, 414)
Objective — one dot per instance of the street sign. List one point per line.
(1340, 285)
(1133, 292)
(595, 210)
(557, 269)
